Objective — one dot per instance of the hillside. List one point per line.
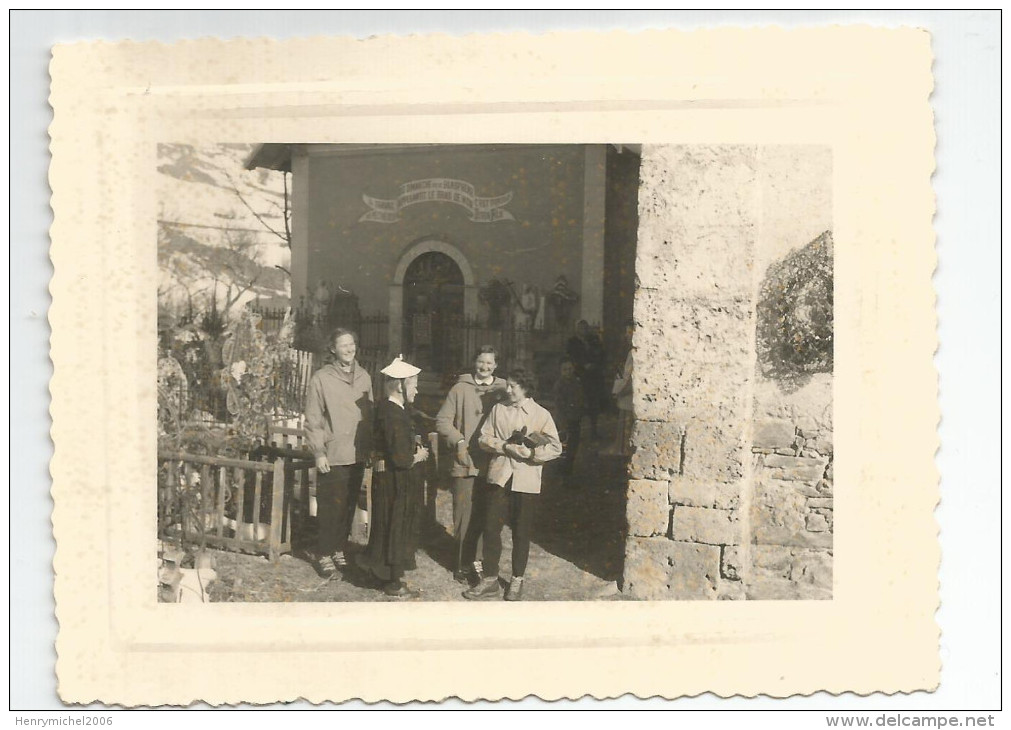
(221, 228)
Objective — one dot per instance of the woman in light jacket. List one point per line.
(521, 436)
(338, 429)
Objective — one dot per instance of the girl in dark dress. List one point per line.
(397, 483)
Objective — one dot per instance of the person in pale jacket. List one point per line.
(459, 422)
(521, 436)
(338, 429)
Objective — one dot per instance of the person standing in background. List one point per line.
(586, 351)
(568, 398)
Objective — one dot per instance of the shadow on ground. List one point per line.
(576, 555)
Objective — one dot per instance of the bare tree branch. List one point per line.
(239, 291)
(287, 210)
(242, 199)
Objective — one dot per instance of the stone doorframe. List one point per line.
(416, 249)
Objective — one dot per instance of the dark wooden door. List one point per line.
(433, 313)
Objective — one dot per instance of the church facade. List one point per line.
(446, 239)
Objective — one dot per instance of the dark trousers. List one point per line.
(499, 502)
(336, 498)
(468, 519)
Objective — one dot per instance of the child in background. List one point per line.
(569, 408)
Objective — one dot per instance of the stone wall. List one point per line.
(791, 502)
(694, 369)
(730, 481)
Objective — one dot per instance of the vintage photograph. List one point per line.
(487, 372)
(535, 355)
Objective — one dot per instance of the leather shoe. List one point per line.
(325, 567)
(399, 590)
(515, 591)
(487, 589)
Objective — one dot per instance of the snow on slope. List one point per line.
(220, 227)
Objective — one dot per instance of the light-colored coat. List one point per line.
(502, 422)
(461, 416)
(338, 415)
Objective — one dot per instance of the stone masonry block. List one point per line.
(728, 495)
(714, 450)
(775, 559)
(732, 562)
(695, 493)
(816, 523)
(771, 535)
(656, 450)
(807, 423)
(701, 260)
(698, 330)
(822, 445)
(657, 568)
(794, 462)
(805, 469)
(691, 492)
(777, 505)
(666, 386)
(695, 571)
(647, 510)
(699, 184)
(731, 590)
(706, 525)
(773, 433)
(805, 474)
(812, 566)
(647, 568)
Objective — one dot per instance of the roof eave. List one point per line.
(270, 156)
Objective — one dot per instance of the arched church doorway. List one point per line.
(433, 292)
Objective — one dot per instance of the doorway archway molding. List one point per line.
(416, 249)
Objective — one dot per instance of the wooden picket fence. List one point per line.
(235, 504)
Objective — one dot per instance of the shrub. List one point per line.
(795, 313)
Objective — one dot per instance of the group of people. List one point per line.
(500, 438)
